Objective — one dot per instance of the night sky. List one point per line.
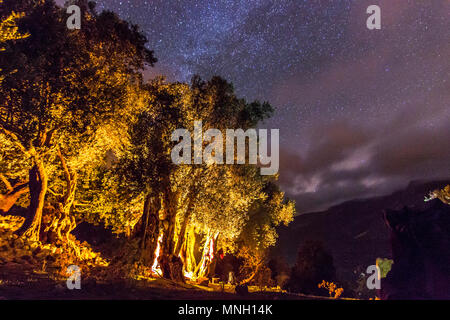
(360, 112)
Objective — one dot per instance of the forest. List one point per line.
(86, 139)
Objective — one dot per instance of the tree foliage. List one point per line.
(314, 265)
(92, 141)
(67, 85)
(8, 29)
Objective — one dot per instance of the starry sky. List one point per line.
(361, 112)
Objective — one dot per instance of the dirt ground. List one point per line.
(27, 272)
(17, 282)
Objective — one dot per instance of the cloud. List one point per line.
(391, 94)
(360, 112)
(348, 162)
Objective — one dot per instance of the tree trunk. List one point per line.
(182, 233)
(147, 230)
(38, 183)
(168, 219)
(183, 229)
(171, 265)
(213, 262)
(250, 277)
(58, 222)
(190, 252)
(208, 255)
(10, 198)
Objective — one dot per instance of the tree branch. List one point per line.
(71, 178)
(67, 174)
(16, 140)
(6, 182)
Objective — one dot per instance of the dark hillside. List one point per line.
(354, 232)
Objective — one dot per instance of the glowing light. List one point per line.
(211, 249)
(188, 274)
(209, 255)
(156, 268)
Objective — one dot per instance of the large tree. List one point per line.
(66, 85)
(9, 30)
(190, 211)
(92, 140)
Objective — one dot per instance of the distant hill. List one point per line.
(354, 232)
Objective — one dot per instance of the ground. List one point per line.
(34, 271)
(17, 283)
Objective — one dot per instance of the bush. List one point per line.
(280, 271)
(314, 264)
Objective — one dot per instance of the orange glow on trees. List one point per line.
(93, 141)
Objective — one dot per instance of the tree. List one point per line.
(9, 30)
(227, 195)
(314, 264)
(88, 139)
(146, 168)
(190, 211)
(259, 232)
(443, 195)
(67, 84)
(280, 270)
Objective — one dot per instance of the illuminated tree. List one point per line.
(67, 84)
(193, 210)
(16, 184)
(90, 140)
(9, 30)
(219, 205)
(260, 232)
(12, 190)
(443, 195)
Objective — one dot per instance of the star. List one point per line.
(339, 89)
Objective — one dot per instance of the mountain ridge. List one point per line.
(354, 231)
